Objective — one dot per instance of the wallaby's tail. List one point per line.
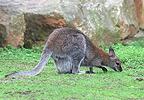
(38, 68)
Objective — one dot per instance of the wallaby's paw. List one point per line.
(104, 69)
(90, 72)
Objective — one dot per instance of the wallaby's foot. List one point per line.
(75, 70)
(70, 72)
(90, 72)
(104, 69)
(64, 72)
(81, 72)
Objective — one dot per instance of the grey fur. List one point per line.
(70, 49)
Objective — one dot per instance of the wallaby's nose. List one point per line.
(120, 69)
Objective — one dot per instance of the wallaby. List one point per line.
(70, 49)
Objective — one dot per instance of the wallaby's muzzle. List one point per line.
(118, 69)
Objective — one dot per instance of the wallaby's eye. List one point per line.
(117, 63)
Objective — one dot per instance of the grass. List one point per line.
(49, 85)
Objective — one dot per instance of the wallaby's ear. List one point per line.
(111, 52)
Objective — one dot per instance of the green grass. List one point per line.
(49, 85)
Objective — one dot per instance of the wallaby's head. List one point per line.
(114, 63)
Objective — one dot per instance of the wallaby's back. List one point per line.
(63, 41)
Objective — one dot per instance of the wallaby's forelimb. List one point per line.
(104, 69)
(90, 71)
(38, 68)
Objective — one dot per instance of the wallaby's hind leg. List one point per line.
(76, 62)
(64, 65)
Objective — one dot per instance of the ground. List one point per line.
(49, 85)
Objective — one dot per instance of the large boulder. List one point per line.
(12, 27)
(26, 22)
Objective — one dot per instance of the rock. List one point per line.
(14, 27)
(139, 34)
(39, 27)
(128, 20)
(3, 34)
(139, 5)
(26, 22)
(131, 20)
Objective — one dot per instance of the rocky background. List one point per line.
(28, 22)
